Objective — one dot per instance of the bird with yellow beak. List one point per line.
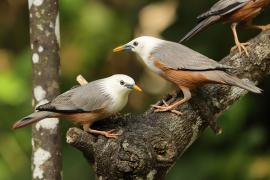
(87, 104)
(182, 66)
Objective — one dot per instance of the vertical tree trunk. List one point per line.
(45, 43)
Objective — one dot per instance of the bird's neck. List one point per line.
(149, 62)
(119, 101)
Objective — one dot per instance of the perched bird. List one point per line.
(87, 103)
(234, 12)
(182, 66)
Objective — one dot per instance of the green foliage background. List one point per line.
(90, 29)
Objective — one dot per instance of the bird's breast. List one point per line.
(149, 62)
(118, 103)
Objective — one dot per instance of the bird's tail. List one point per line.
(200, 27)
(32, 118)
(224, 78)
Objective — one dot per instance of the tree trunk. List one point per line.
(45, 42)
(151, 142)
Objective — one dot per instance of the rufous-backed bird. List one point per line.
(87, 104)
(182, 66)
(234, 12)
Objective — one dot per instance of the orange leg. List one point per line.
(187, 96)
(108, 134)
(238, 45)
(260, 27)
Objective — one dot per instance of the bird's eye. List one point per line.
(122, 82)
(135, 43)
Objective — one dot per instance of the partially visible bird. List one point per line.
(234, 12)
(87, 103)
(182, 66)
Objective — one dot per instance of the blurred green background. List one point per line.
(90, 29)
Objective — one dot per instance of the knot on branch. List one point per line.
(131, 157)
(164, 148)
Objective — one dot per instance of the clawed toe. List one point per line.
(108, 134)
(156, 106)
(160, 107)
(240, 47)
(165, 109)
(178, 113)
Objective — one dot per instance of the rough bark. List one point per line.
(45, 37)
(151, 142)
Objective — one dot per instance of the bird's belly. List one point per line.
(247, 12)
(87, 117)
(189, 79)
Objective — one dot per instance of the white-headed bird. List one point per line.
(87, 103)
(182, 66)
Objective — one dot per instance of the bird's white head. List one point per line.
(143, 46)
(120, 84)
(118, 87)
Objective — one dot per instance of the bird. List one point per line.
(182, 66)
(87, 104)
(233, 12)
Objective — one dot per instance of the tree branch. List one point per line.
(151, 142)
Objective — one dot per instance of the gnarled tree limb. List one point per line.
(151, 142)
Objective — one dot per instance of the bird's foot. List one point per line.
(240, 47)
(166, 108)
(108, 134)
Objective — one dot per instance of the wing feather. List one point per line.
(86, 98)
(177, 56)
(223, 7)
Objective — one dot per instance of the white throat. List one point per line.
(148, 44)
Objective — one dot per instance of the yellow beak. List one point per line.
(119, 48)
(137, 88)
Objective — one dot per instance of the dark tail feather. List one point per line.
(224, 78)
(32, 118)
(200, 27)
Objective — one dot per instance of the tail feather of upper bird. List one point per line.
(200, 27)
(224, 78)
(32, 118)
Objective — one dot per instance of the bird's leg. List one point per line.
(260, 27)
(187, 96)
(108, 134)
(166, 104)
(238, 45)
(165, 98)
